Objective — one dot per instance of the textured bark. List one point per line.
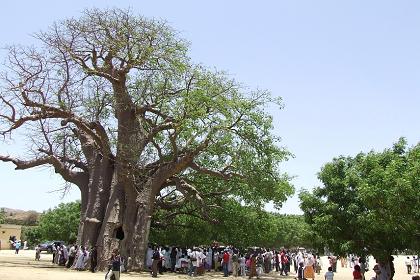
(137, 226)
(99, 191)
(107, 240)
(95, 199)
(84, 202)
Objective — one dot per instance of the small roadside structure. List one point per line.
(7, 233)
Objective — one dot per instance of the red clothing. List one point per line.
(284, 259)
(357, 274)
(226, 257)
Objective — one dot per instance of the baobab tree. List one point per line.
(112, 102)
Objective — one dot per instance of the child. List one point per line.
(356, 273)
(329, 275)
(37, 253)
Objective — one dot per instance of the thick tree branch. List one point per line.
(78, 178)
(74, 162)
(220, 174)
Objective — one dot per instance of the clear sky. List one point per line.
(348, 71)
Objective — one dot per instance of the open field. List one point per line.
(24, 267)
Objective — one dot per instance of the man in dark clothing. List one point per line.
(156, 259)
(114, 264)
(173, 258)
(93, 259)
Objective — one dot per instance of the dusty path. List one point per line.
(24, 267)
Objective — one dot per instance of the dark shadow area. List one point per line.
(119, 233)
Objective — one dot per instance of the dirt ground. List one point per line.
(24, 267)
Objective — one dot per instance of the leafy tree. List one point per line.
(60, 223)
(369, 203)
(2, 216)
(116, 107)
(292, 231)
(241, 226)
(33, 235)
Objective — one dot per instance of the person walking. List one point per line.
(309, 272)
(155, 263)
(408, 264)
(114, 266)
(414, 264)
(17, 247)
(37, 253)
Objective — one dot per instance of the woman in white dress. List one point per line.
(81, 258)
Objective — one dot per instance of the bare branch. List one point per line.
(77, 178)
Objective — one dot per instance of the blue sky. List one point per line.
(348, 72)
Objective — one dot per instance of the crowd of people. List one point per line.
(252, 262)
(412, 264)
(72, 256)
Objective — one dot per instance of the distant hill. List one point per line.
(20, 217)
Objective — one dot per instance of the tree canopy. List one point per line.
(112, 102)
(61, 223)
(241, 226)
(2, 216)
(368, 204)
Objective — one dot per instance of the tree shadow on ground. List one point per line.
(29, 264)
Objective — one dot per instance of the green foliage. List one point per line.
(241, 226)
(369, 203)
(114, 85)
(293, 231)
(2, 216)
(60, 223)
(33, 235)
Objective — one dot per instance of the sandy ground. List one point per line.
(24, 267)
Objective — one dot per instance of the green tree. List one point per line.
(2, 216)
(369, 204)
(241, 226)
(33, 235)
(293, 231)
(117, 108)
(60, 223)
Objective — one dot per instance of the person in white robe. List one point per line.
(149, 259)
(81, 259)
(209, 259)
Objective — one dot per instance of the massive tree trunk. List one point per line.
(127, 219)
(97, 197)
(111, 232)
(126, 227)
(136, 225)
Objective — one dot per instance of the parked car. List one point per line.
(48, 246)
